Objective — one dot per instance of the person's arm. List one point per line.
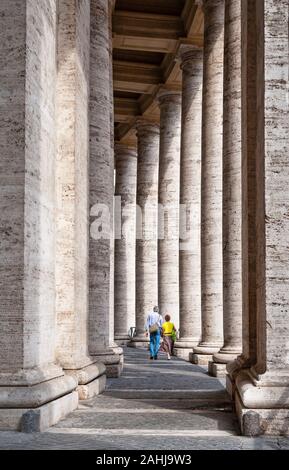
(147, 325)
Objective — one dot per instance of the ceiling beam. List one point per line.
(125, 109)
(147, 25)
(144, 44)
(136, 77)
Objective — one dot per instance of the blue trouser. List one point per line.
(155, 343)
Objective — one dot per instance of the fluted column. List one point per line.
(262, 390)
(169, 199)
(125, 188)
(211, 219)
(232, 193)
(148, 137)
(190, 201)
(34, 392)
(101, 190)
(72, 230)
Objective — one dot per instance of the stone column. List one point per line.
(148, 135)
(101, 191)
(125, 188)
(232, 193)
(262, 395)
(211, 219)
(169, 200)
(34, 392)
(72, 198)
(249, 184)
(190, 200)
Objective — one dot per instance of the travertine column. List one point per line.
(125, 188)
(249, 184)
(34, 392)
(169, 200)
(148, 135)
(262, 396)
(101, 190)
(190, 200)
(72, 197)
(212, 148)
(232, 194)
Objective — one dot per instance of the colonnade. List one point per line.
(199, 224)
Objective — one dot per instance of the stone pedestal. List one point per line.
(232, 193)
(169, 199)
(101, 192)
(146, 237)
(211, 219)
(34, 392)
(190, 201)
(262, 391)
(124, 291)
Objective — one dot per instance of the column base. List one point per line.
(139, 342)
(36, 406)
(217, 370)
(91, 380)
(261, 409)
(203, 353)
(200, 359)
(38, 419)
(218, 367)
(183, 348)
(122, 340)
(233, 368)
(113, 360)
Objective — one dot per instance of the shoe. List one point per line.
(151, 358)
(169, 357)
(155, 358)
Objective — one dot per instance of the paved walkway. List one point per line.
(169, 405)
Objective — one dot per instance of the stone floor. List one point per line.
(169, 405)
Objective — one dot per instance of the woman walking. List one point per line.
(169, 336)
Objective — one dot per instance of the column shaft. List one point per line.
(211, 218)
(29, 377)
(72, 197)
(125, 188)
(190, 200)
(249, 184)
(232, 193)
(169, 199)
(148, 136)
(262, 392)
(101, 190)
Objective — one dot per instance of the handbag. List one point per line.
(154, 328)
(174, 336)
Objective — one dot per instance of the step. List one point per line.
(105, 402)
(203, 395)
(173, 422)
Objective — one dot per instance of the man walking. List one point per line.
(153, 328)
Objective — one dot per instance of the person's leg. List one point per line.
(152, 346)
(157, 343)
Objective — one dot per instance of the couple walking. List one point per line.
(156, 328)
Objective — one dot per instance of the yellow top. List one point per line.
(168, 327)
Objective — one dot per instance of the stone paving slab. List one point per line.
(107, 402)
(51, 441)
(193, 413)
(141, 373)
(179, 420)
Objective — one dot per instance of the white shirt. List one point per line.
(153, 317)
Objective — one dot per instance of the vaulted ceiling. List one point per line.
(146, 38)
